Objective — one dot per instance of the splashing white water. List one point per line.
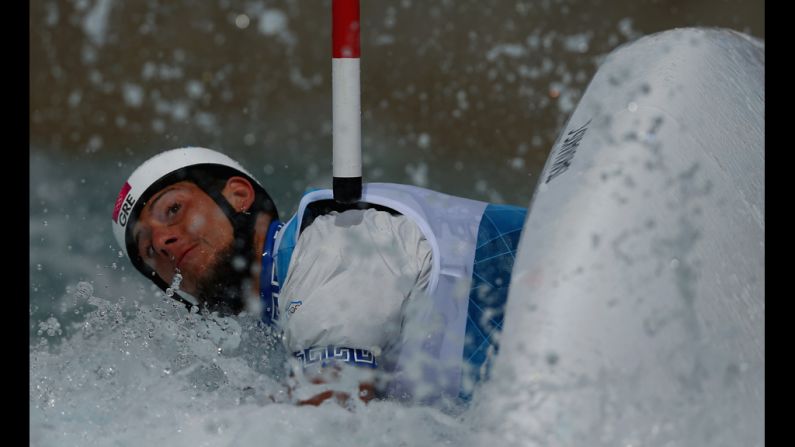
(175, 282)
(138, 374)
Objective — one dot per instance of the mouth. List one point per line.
(182, 257)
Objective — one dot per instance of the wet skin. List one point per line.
(182, 229)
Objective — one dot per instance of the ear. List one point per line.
(239, 193)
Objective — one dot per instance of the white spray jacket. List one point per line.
(436, 344)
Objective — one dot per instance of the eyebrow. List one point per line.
(151, 205)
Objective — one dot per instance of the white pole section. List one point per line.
(346, 117)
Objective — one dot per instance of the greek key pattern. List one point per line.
(329, 354)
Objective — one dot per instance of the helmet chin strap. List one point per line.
(243, 229)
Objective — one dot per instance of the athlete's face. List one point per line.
(181, 229)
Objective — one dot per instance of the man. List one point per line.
(409, 283)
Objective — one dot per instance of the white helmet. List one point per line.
(158, 172)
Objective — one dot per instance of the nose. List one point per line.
(164, 239)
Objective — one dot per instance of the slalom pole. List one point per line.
(346, 113)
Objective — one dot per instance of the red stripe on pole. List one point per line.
(345, 29)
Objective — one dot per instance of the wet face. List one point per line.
(182, 229)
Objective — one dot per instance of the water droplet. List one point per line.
(242, 21)
(84, 290)
(424, 140)
(674, 263)
(175, 282)
(632, 107)
(239, 263)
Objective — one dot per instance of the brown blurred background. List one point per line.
(464, 96)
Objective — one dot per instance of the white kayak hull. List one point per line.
(636, 309)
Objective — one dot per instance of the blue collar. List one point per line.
(268, 282)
